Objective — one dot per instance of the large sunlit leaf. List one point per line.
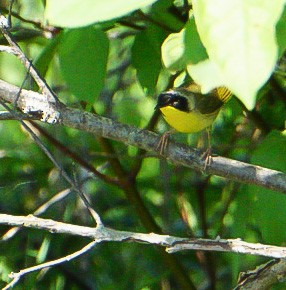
(75, 13)
(83, 58)
(180, 49)
(240, 39)
(207, 71)
(173, 51)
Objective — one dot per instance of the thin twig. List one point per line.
(93, 213)
(4, 115)
(16, 15)
(17, 276)
(10, 13)
(40, 210)
(141, 154)
(77, 158)
(26, 62)
(52, 101)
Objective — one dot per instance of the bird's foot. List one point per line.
(163, 143)
(207, 157)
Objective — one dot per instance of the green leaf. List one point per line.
(146, 56)
(182, 48)
(83, 58)
(173, 51)
(43, 61)
(43, 251)
(281, 33)
(166, 13)
(207, 74)
(269, 206)
(195, 50)
(76, 13)
(240, 39)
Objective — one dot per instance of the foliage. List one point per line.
(245, 66)
(109, 61)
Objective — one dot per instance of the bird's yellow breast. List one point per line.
(187, 122)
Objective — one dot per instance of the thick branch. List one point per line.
(31, 102)
(263, 277)
(103, 234)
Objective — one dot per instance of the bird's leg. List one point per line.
(207, 155)
(164, 141)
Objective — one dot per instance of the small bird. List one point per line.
(187, 110)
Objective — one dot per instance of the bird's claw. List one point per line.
(207, 157)
(163, 143)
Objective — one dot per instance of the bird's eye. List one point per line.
(175, 103)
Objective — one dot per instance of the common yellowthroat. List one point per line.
(187, 110)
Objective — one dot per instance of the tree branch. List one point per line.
(31, 102)
(173, 244)
(264, 276)
(16, 50)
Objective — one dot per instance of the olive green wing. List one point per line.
(208, 103)
(205, 103)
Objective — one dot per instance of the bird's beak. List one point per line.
(162, 101)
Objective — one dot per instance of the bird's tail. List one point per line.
(223, 94)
